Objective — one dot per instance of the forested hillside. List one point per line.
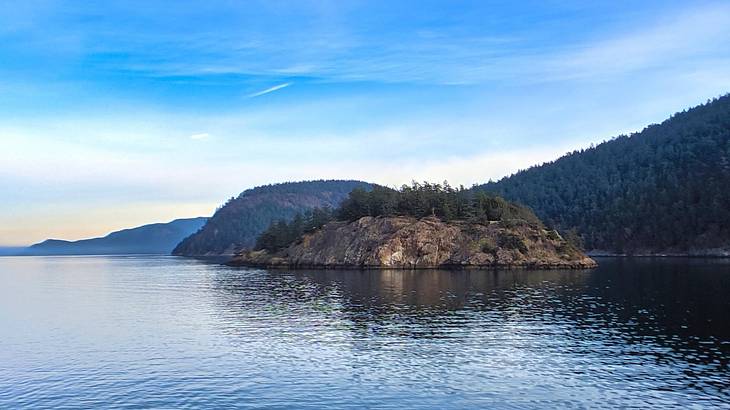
(664, 189)
(242, 219)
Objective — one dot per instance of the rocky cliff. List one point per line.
(407, 242)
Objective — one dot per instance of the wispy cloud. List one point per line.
(336, 44)
(692, 37)
(200, 137)
(269, 90)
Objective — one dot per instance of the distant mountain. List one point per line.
(242, 219)
(11, 250)
(159, 238)
(665, 189)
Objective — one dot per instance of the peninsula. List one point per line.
(416, 227)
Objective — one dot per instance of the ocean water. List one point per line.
(167, 332)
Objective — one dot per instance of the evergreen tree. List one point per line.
(418, 200)
(666, 188)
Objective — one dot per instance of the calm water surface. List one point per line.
(165, 332)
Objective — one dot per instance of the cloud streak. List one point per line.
(269, 90)
(329, 45)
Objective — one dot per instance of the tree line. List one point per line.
(282, 233)
(666, 188)
(431, 199)
(417, 200)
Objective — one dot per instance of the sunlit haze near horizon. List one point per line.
(133, 112)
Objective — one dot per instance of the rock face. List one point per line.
(407, 243)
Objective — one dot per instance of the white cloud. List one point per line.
(665, 38)
(690, 35)
(270, 90)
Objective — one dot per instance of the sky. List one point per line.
(119, 113)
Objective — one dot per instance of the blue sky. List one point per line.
(124, 113)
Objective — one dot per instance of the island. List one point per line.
(416, 227)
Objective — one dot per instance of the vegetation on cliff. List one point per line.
(664, 189)
(418, 200)
(242, 219)
(281, 233)
(418, 226)
(425, 199)
(405, 242)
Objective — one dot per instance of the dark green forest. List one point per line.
(417, 200)
(241, 219)
(282, 233)
(427, 199)
(664, 189)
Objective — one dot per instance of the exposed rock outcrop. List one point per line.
(406, 243)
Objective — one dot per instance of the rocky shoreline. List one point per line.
(427, 243)
(706, 253)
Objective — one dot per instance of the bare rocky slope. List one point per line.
(401, 242)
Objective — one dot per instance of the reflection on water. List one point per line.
(172, 332)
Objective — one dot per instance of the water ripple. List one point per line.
(164, 332)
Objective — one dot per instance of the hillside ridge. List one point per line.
(659, 191)
(241, 219)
